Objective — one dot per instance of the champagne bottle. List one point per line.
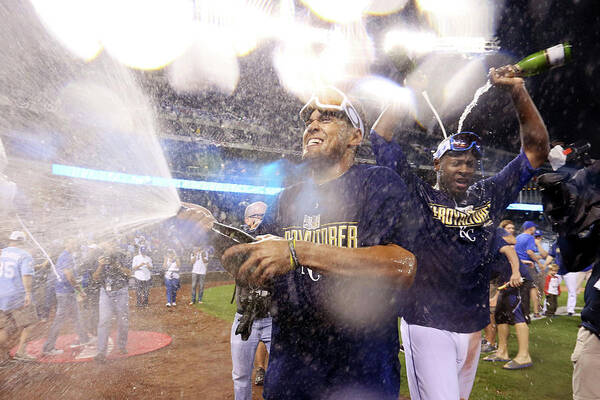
(223, 237)
(544, 60)
(235, 235)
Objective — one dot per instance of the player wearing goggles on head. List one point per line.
(335, 276)
(447, 306)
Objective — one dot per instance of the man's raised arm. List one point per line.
(534, 136)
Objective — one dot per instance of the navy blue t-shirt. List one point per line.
(590, 315)
(555, 253)
(451, 287)
(499, 264)
(335, 335)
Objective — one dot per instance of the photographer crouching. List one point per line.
(572, 206)
(113, 275)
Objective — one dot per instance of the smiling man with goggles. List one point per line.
(461, 141)
(332, 99)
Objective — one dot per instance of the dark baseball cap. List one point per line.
(537, 233)
(529, 224)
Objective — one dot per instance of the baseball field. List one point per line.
(197, 364)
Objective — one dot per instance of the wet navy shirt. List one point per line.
(452, 282)
(555, 253)
(334, 334)
(590, 315)
(499, 264)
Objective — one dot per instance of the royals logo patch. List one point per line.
(312, 221)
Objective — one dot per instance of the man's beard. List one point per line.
(327, 160)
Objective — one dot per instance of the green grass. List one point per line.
(551, 343)
(216, 302)
(562, 299)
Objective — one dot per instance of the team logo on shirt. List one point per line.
(312, 221)
(462, 217)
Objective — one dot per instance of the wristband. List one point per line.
(293, 257)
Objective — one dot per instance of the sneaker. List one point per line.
(488, 348)
(200, 302)
(401, 348)
(24, 357)
(259, 380)
(173, 304)
(570, 314)
(53, 352)
(78, 344)
(123, 351)
(192, 303)
(168, 304)
(100, 358)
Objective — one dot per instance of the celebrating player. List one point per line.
(336, 274)
(448, 302)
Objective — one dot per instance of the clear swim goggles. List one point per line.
(328, 100)
(461, 141)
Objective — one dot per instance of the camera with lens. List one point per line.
(571, 200)
(256, 304)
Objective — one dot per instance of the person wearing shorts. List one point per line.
(512, 308)
(17, 311)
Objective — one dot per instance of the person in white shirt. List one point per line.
(141, 265)
(171, 265)
(199, 258)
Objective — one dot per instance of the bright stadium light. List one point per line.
(416, 44)
(385, 7)
(147, 34)
(463, 18)
(208, 63)
(413, 43)
(309, 58)
(384, 92)
(342, 11)
(456, 7)
(244, 23)
(73, 23)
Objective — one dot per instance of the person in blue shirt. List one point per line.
(527, 249)
(447, 306)
(67, 306)
(17, 311)
(336, 266)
